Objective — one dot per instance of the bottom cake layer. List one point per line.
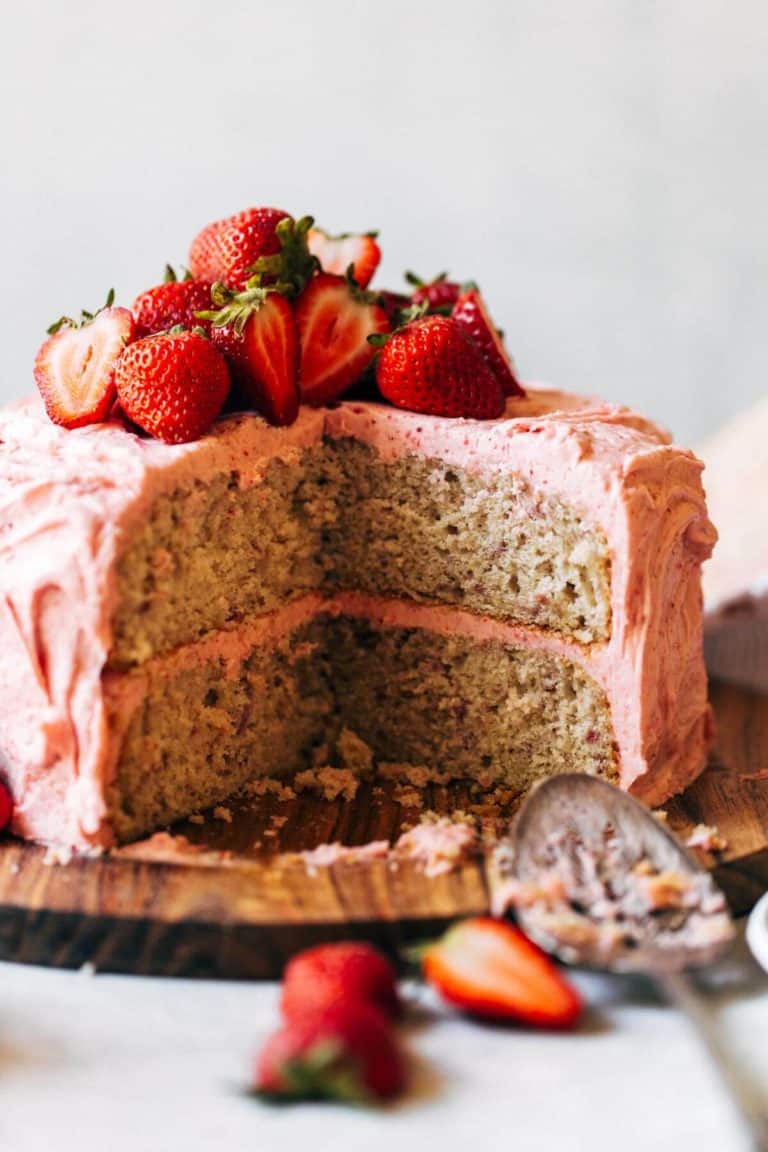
(188, 735)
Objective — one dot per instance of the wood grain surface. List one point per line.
(242, 906)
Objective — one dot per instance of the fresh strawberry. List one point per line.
(337, 253)
(344, 1052)
(172, 385)
(6, 807)
(171, 303)
(489, 968)
(471, 314)
(331, 973)
(439, 294)
(74, 368)
(227, 249)
(430, 366)
(256, 331)
(394, 304)
(335, 319)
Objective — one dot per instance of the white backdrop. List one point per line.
(599, 165)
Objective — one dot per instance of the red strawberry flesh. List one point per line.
(334, 326)
(337, 253)
(470, 313)
(264, 359)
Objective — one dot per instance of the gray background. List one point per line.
(599, 165)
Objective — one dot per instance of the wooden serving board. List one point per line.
(243, 915)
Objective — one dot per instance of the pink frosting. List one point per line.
(70, 499)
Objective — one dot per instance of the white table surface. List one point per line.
(127, 1064)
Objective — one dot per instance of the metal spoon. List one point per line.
(598, 881)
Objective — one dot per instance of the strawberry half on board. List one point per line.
(74, 369)
(490, 969)
(335, 317)
(256, 331)
(430, 366)
(337, 254)
(344, 1052)
(471, 314)
(172, 385)
(228, 249)
(171, 303)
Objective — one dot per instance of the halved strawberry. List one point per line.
(74, 368)
(489, 968)
(171, 303)
(471, 314)
(337, 253)
(430, 366)
(257, 333)
(335, 318)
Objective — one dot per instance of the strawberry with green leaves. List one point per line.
(173, 385)
(228, 249)
(431, 366)
(75, 367)
(346, 1051)
(256, 330)
(171, 303)
(439, 294)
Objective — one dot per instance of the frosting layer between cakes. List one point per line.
(73, 501)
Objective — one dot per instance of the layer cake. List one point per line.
(500, 599)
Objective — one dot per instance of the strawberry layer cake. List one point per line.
(497, 583)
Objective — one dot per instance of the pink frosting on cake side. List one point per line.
(68, 500)
(622, 473)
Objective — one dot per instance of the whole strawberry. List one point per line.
(172, 385)
(345, 1052)
(75, 367)
(171, 303)
(439, 294)
(471, 314)
(430, 366)
(331, 973)
(227, 249)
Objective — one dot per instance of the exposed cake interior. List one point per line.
(338, 517)
(500, 599)
(197, 730)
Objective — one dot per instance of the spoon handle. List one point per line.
(753, 1112)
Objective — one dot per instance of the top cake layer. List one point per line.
(73, 502)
